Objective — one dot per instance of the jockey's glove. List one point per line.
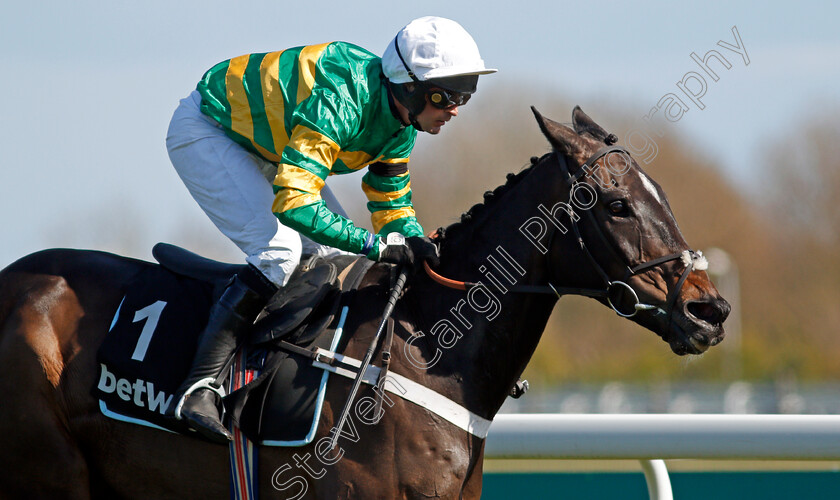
(412, 251)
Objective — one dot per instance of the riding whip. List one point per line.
(389, 308)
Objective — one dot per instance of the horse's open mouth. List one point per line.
(697, 325)
(682, 342)
(691, 334)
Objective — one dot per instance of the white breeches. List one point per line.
(233, 187)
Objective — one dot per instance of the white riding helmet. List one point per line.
(432, 47)
(432, 58)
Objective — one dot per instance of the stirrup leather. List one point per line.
(205, 383)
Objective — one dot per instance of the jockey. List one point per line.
(256, 140)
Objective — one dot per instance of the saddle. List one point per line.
(281, 405)
(290, 306)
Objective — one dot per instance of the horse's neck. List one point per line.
(500, 327)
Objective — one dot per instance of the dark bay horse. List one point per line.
(579, 220)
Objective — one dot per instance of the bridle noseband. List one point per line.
(608, 292)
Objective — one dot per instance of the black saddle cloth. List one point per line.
(282, 404)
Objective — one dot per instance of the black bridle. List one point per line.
(612, 288)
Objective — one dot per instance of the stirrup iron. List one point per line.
(205, 383)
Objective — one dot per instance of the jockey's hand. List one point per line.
(397, 249)
(424, 250)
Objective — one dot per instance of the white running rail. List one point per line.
(653, 437)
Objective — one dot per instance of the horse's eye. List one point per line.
(618, 208)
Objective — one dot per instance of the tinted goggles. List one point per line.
(442, 98)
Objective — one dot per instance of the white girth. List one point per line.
(418, 394)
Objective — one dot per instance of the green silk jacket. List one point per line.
(317, 111)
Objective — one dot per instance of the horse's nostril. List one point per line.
(713, 312)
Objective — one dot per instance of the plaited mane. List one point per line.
(490, 197)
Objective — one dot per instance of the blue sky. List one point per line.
(89, 88)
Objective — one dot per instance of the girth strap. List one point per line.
(407, 389)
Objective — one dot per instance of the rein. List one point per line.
(612, 288)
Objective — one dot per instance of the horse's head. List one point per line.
(632, 255)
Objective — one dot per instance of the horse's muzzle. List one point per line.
(699, 325)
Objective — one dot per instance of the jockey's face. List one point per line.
(433, 118)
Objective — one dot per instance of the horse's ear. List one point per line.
(564, 139)
(585, 125)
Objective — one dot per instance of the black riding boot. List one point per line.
(197, 400)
